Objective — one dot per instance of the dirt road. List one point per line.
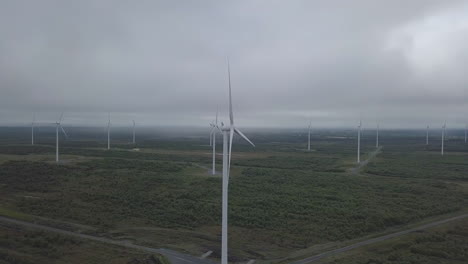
(173, 256)
(375, 240)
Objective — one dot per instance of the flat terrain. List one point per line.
(50, 238)
(32, 246)
(338, 252)
(285, 203)
(446, 244)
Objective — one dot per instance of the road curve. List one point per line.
(377, 239)
(173, 256)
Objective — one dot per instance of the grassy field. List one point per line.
(282, 199)
(420, 164)
(20, 246)
(447, 244)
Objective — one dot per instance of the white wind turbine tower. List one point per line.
(359, 142)
(443, 138)
(133, 131)
(32, 129)
(308, 146)
(213, 141)
(57, 126)
(108, 132)
(427, 135)
(228, 134)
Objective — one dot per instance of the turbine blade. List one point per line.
(231, 136)
(63, 130)
(61, 117)
(231, 115)
(238, 132)
(217, 110)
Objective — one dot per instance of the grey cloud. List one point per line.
(165, 61)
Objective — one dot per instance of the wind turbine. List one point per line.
(133, 131)
(427, 135)
(108, 132)
(57, 126)
(377, 136)
(32, 129)
(359, 142)
(228, 135)
(310, 125)
(443, 138)
(213, 141)
(211, 133)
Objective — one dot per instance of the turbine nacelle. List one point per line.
(108, 120)
(232, 129)
(214, 126)
(59, 124)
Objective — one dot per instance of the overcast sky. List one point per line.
(164, 62)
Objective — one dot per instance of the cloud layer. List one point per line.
(164, 62)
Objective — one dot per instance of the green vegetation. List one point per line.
(418, 164)
(32, 247)
(295, 162)
(282, 199)
(14, 214)
(441, 245)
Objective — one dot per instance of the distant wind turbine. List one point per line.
(211, 135)
(443, 138)
(32, 129)
(58, 125)
(310, 125)
(228, 134)
(108, 132)
(213, 141)
(359, 142)
(211, 132)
